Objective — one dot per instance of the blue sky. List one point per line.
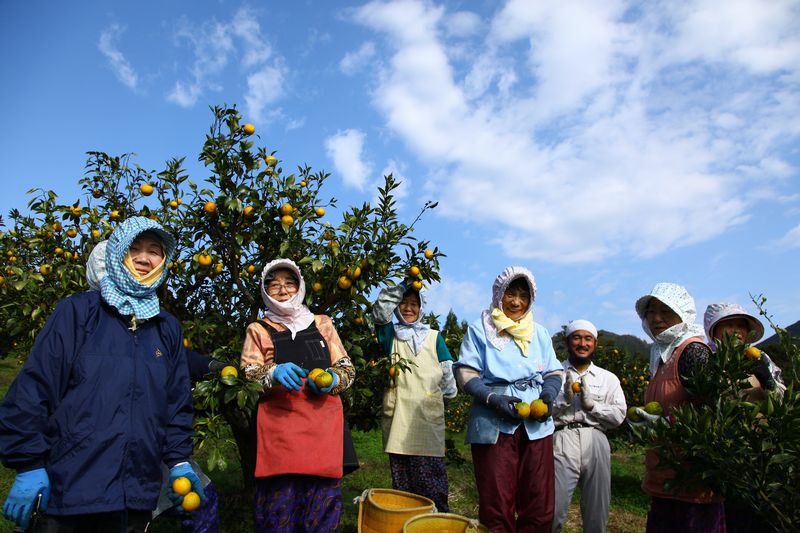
(606, 146)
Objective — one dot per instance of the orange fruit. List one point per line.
(210, 208)
(229, 371)
(45, 269)
(303, 183)
(204, 260)
(752, 353)
(413, 271)
(146, 189)
(248, 211)
(59, 251)
(174, 204)
(315, 372)
(392, 371)
(428, 254)
(95, 233)
(114, 215)
(576, 387)
(316, 286)
(653, 408)
(271, 160)
(249, 129)
(320, 211)
(76, 210)
(191, 502)
(416, 285)
(181, 486)
(187, 343)
(268, 171)
(359, 320)
(287, 209)
(218, 268)
(344, 282)
(72, 232)
(287, 220)
(97, 193)
(523, 409)
(251, 268)
(633, 416)
(57, 226)
(354, 273)
(538, 409)
(323, 379)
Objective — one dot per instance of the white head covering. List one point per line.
(292, 313)
(499, 287)
(414, 332)
(678, 299)
(96, 266)
(716, 313)
(577, 325)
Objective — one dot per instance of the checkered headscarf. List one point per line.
(119, 288)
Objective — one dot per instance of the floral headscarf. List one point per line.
(120, 288)
(413, 332)
(292, 313)
(680, 301)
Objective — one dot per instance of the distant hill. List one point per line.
(794, 331)
(629, 343)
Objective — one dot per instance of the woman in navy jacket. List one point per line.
(103, 399)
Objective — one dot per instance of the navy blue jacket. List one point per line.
(100, 407)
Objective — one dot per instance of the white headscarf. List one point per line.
(716, 313)
(413, 332)
(581, 325)
(678, 299)
(292, 313)
(96, 266)
(501, 283)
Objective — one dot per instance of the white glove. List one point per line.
(568, 394)
(645, 416)
(586, 398)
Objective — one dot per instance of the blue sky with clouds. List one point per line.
(606, 146)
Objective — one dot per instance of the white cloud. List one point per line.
(346, 149)
(352, 62)
(462, 24)
(116, 60)
(466, 297)
(215, 46)
(589, 130)
(790, 240)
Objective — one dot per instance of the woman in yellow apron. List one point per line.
(413, 407)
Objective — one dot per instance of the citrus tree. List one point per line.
(245, 211)
(745, 449)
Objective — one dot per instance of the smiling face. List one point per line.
(282, 286)
(409, 307)
(516, 299)
(735, 326)
(147, 253)
(660, 317)
(581, 343)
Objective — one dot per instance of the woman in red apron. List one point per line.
(299, 426)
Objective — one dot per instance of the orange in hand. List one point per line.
(576, 387)
(182, 486)
(191, 502)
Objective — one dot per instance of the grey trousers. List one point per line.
(582, 455)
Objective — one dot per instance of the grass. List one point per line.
(628, 503)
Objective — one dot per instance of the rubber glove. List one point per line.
(324, 390)
(289, 375)
(215, 366)
(568, 394)
(586, 398)
(645, 418)
(22, 496)
(184, 470)
(763, 374)
(499, 402)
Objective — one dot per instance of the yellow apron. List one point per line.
(413, 409)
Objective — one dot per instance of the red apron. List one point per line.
(299, 432)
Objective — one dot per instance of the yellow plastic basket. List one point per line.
(387, 510)
(443, 523)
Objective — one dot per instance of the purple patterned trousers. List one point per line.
(296, 503)
(426, 476)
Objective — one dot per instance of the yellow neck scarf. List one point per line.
(149, 278)
(521, 331)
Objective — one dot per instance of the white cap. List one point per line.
(585, 325)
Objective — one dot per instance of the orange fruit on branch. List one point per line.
(210, 208)
(249, 129)
(287, 209)
(413, 271)
(146, 189)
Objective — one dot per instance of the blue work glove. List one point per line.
(22, 496)
(289, 375)
(215, 366)
(184, 470)
(324, 390)
(505, 405)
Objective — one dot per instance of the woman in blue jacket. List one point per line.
(103, 399)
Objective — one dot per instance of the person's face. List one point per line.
(736, 326)
(516, 302)
(409, 308)
(146, 253)
(660, 317)
(581, 343)
(282, 286)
